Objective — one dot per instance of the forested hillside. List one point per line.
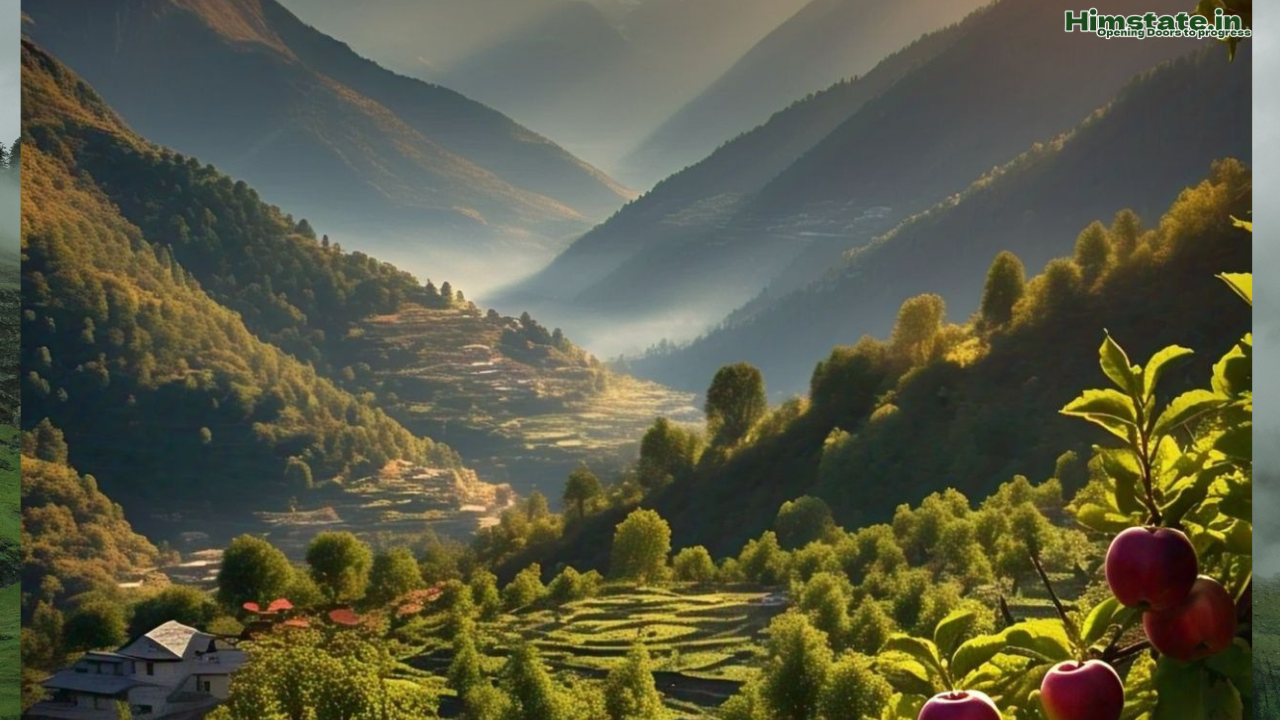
(1035, 206)
(411, 168)
(120, 342)
(1004, 84)
(938, 405)
(825, 42)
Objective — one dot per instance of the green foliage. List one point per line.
(525, 588)
(252, 571)
(799, 662)
(694, 565)
(533, 693)
(337, 675)
(571, 585)
(802, 521)
(629, 690)
(581, 489)
(736, 401)
(187, 605)
(915, 333)
(1093, 252)
(667, 452)
(394, 572)
(641, 544)
(340, 565)
(96, 625)
(1006, 283)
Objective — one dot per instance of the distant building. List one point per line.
(172, 672)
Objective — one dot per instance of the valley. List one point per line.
(379, 387)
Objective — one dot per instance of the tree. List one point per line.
(536, 507)
(465, 671)
(340, 565)
(485, 595)
(629, 690)
(803, 520)
(1093, 252)
(47, 443)
(95, 625)
(446, 292)
(641, 544)
(1126, 229)
(825, 598)
(694, 564)
(525, 588)
(735, 403)
(667, 452)
(297, 474)
(581, 488)
(854, 690)
(394, 573)
(533, 694)
(796, 673)
(304, 229)
(182, 603)
(1005, 286)
(252, 571)
(916, 330)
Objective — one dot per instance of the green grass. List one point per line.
(10, 665)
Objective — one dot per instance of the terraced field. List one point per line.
(704, 644)
(519, 412)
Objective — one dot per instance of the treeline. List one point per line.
(938, 404)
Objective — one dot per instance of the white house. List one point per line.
(172, 672)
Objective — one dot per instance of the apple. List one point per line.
(960, 705)
(1089, 690)
(1203, 625)
(1151, 567)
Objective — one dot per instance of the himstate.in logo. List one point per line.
(1221, 26)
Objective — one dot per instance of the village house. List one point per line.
(172, 672)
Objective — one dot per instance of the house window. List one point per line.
(151, 668)
(204, 685)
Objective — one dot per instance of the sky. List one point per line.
(1266, 254)
(10, 70)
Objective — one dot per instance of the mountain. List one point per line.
(823, 43)
(417, 171)
(883, 425)
(596, 76)
(1033, 206)
(1003, 84)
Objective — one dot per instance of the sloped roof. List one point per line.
(169, 641)
(91, 683)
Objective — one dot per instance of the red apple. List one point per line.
(1151, 567)
(1089, 690)
(1203, 625)
(960, 705)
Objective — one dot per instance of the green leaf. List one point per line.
(919, 649)
(1180, 691)
(1236, 442)
(906, 674)
(1185, 408)
(1223, 702)
(1233, 374)
(1241, 283)
(1104, 520)
(1104, 616)
(1190, 491)
(1235, 664)
(1156, 366)
(1116, 366)
(1047, 638)
(948, 634)
(1121, 465)
(1108, 408)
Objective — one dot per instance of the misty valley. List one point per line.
(628, 360)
